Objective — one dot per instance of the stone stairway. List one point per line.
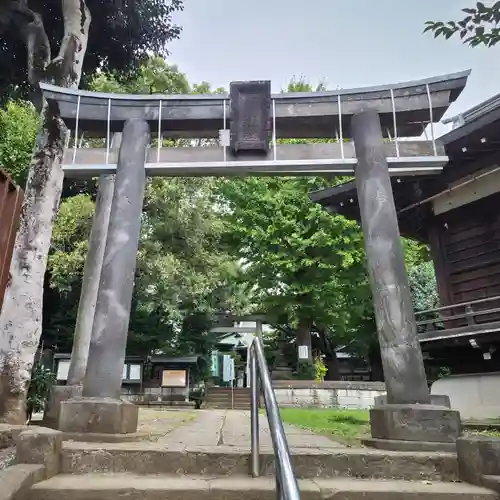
(227, 398)
(137, 487)
(210, 456)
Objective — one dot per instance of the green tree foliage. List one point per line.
(70, 242)
(152, 77)
(123, 33)
(183, 269)
(479, 25)
(42, 382)
(182, 262)
(307, 264)
(423, 286)
(302, 85)
(415, 253)
(18, 128)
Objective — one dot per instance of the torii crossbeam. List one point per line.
(405, 111)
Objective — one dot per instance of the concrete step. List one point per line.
(228, 389)
(227, 400)
(155, 458)
(134, 487)
(16, 480)
(224, 398)
(228, 395)
(227, 406)
(242, 397)
(492, 482)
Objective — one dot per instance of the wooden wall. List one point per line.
(11, 199)
(466, 248)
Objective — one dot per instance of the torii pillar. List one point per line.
(408, 420)
(100, 409)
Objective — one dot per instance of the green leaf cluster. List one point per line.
(306, 264)
(479, 26)
(18, 128)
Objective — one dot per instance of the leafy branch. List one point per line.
(480, 26)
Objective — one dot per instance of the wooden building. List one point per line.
(456, 213)
(147, 379)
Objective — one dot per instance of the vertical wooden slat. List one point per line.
(4, 229)
(11, 199)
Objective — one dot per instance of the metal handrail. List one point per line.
(286, 482)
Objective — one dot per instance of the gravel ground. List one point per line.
(7, 457)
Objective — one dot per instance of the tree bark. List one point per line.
(332, 363)
(67, 66)
(375, 361)
(21, 317)
(304, 338)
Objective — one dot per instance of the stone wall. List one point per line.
(155, 394)
(289, 394)
(335, 394)
(475, 396)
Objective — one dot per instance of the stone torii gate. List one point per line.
(365, 129)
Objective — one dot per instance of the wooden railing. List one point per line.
(11, 199)
(462, 317)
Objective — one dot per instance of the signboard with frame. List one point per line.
(174, 378)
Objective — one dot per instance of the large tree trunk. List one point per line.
(333, 365)
(21, 317)
(375, 361)
(304, 338)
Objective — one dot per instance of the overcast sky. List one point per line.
(347, 43)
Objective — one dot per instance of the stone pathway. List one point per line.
(158, 423)
(232, 428)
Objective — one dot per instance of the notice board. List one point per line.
(173, 378)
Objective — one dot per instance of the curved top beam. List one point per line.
(298, 115)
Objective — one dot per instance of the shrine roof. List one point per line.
(472, 146)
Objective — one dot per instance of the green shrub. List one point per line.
(42, 381)
(320, 369)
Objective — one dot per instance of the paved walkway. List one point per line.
(232, 428)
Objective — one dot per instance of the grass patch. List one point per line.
(489, 433)
(347, 426)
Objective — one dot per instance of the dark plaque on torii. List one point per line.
(250, 117)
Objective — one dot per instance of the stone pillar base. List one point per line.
(414, 423)
(436, 400)
(59, 394)
(98, 415)
(399, 445)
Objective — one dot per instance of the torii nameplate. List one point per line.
(250, 117)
